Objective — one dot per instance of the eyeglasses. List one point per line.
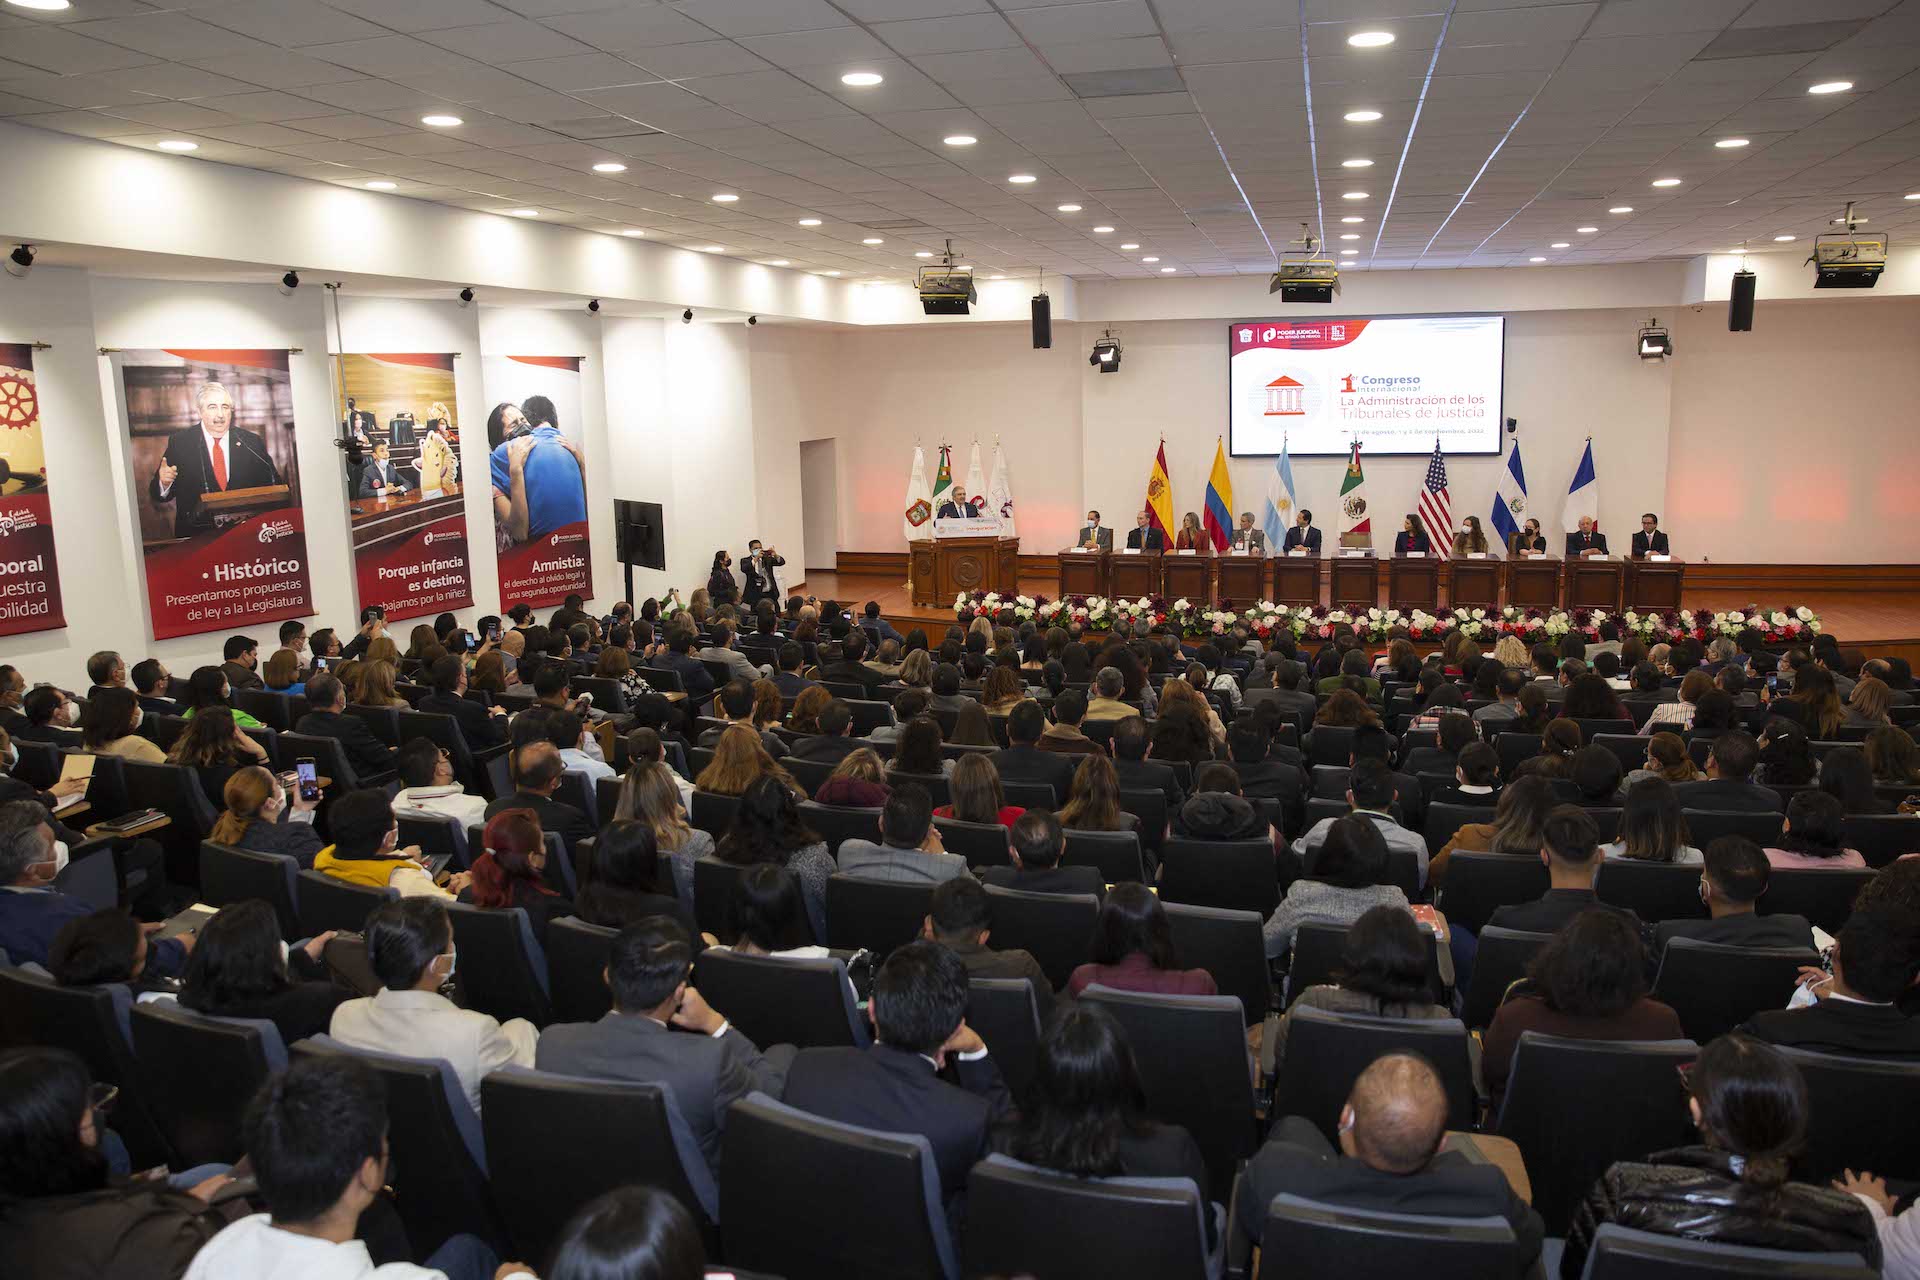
(101, 1097)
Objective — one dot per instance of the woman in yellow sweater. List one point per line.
(365, 850)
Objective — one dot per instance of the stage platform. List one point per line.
(1885, 622)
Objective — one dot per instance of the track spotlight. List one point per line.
(1106, 354)
(20, 261)
(593, 305)
(753, 320)
(466, 298)
(289, 282)
(1655, 342)
(686, 317)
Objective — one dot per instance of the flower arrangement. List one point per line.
(1002, 611)
(1091, 613)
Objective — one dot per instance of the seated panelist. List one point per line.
(1412, 538)
(1652, 539)
(1144, 537)
(1529, 540)
(1589, 541)
(1303, 534)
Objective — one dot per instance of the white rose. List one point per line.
(1181, 603)
(1803, 613)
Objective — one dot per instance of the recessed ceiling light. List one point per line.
(959, 139)
(1586, 231)
(523, 213)
(609, 166)
(440, 122)
(1370, 39)
(923, 254)
(1781, 239)
(724, 197)
(1353, 195)
(1621, 208)
(1349, 252)
(1168, 270)
(1149, 259)
(1666, 182)
(996, 277)
(177, 144)
(1559, 244)
(873, 240)
(1363, 117)
(1101, 231)
(1351, 235)
(966, 266)
(633, 231)
(1911, 195)
(1728, 144)
(1356, 164)
(1830, 86)
(382, 186)
(1135, 246)
(809, 222)
(712, 248)
(1536, 259)
(45, 6)
(862, 79)
(1353, 217)
(1021, 178)
(1067, 208)
(829, 273)
(778, 262)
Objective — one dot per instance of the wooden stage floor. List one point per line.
(1887, 622)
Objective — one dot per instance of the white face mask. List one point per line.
(286, 953)
(453, 963)
(73, 713)
(59, 857)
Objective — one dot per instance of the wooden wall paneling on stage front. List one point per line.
(1781, 582)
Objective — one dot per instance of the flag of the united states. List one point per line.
(1436, 508)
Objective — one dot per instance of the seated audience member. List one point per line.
(1063, 734)
(651, 794)
(264, 815)
(49, 716)
(945, 684)
(1133, 949)
(1094, 802)
(1266, 771)
(1369, 796)
(852, 667)
(108, 946)
(1003, 690)
(1677, 716)
(788, 678)
(151, 685)
(1570, 848)
(1589, 983)
(649, 971)
(1847, 777)
(110, 726)
(1894, 758)
(1785, 756)
(1086, 1113)
(1393, 1158)
(909, 848)
(510, 871)
(1218, 811)
(65, 1216)
(630, 1233)
(624, 882)
(918, 1011)
(1729, 766)
(316, 1135)
(410, 949)
(835, 741)
(1595, 775)
(480, 726)
(1128, 742)
(1559, 739)
(977, 796)
(281, 673)
(739, 758)
(1667, 759)
(13, 689)
(961, 919)
(328, 719)
(1035, 843)
(32, 911)
(678, 658)
(1476, 778)
(239, 969)
(1867, 705)
(1383, 973)
(213, 741)
(735, 705)
(916, 751)
(1348, 877)
(1855, 1011)
(1453, 732)
(859, 781)
(427, 771)
(765, 916)
(1652, 828)
(1022, 760)
(1733, 877)
(1811, 835)
(579, 749)
(1899, 1228)
(538, 767)
(1750, 1105)
(804, 716)
(768, 828)
(365, 850)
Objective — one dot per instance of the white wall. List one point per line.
(820, 501)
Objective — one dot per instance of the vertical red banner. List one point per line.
(29, 574)
(216, 488)
(410, 550)
(537, 468)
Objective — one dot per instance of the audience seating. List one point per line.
(1056, 929)
(1150, 807)
(327, 903)
(502, 970)
(1515, 748)
(229, 875)
(1881, 838)
(1478, 883)
(837, 824)
(713, 882)
(555, 1142)
(175, 792)
(346, 958)
(1708, 825)
(868, 715)
(1560, 1110)
(1229, 945)
(1115, 854)
(877, 915)
(1823, 895)
(89, 876)
(1308, 1238)
(384, 722)
(1033, 1222)
(274, 710)
(92, 1022)
(982, 844)
(436, 834)
(1651, 890)
(1317, 948)
(791, 1178)
(1502, 960)
(1621, 1253)
(1031, 795)
(1865, 1116)
(712, 813)
(1714, 987)
(810, 774)
(1237, 874)
(806, 1003)
(1005, 1013)
(576, 961)
(935, 784)
(1327, 1050)
(197, 1073)
(330, 759)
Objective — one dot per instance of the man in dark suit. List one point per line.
(1129, 739)
(900, 1085)
(328, 719)
(151, 682)
(851, 668)
(678, 658)
(1144, 537)
(1571, 850)
(1589, 541)
(13, 692)
(1303, 534)
(480, 727)
(1095, 536)
(1856, 1011)
(1034, 845)
(1731, 882)
(877, 627)
(209, 458)
(539, 767)
(1393, 1158)
(49, 718)
(960, 918)
(1023, 761)
(647, 971)
(788, 679)
(380, 478)
(1652, 539)
(757, 568)
(242, 665)
(835, 741)
(958, 505)
(1729, 765)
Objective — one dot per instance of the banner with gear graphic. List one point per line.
(29, 575)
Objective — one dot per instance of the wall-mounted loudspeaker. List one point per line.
(1740, 303)
(1042, 321)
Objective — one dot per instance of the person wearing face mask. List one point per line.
(51, 715)
(12, 788)
(208, 687)
(111, 726)
(13, 691)
(758, 569)
(266, 816)
(1471, 539)
(365, 850)
(721, 587)
(32, 911)
(410, 949)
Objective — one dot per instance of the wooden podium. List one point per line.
(1130, 576)
(1190, 577)
(1473, 584)
(1413, 583)
(1654, 584)
(1533, 582)
(1296, 580)
(1083, 573)
(1593, 583)
(1356, 582)
(944, 567)
(1241, 579)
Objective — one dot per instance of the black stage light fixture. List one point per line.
(1655, 343)
(593, 305)
(1106, 353)
(1740, 303)
(466, 297)
(686, 317)
(20, 261)
(289, 282)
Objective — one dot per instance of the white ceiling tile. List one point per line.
(289, 22)
(174, 80)
(420, 15)
(1081, 23)
(63, 52)
(274, 68)
(948, 35)
(496, 42)
(884, 10)
(165, 35)
(738, 18)
(579, 71)
(71, 91)
(268, 106)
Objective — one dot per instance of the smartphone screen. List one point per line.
(309, 778)
(493, 633)
(320, 664)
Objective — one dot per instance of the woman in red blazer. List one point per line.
(1133, 949)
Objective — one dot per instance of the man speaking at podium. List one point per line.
(959, 505)
(210, 458)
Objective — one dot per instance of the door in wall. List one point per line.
(820, 502)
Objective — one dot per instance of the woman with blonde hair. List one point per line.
(650, 795)
(350, 673)
(916, 670)
(1667, 759)
(738, 758)
(1867, 705)
(376, 686)
(263, 816)
(383, 649)
(1510, 652)
(859, 781)
(1177, 693)
(982, 627)
(439, 465)
(978, 795)
(805, 716)
(699, 602)
(1094, 802)
(1191, 536)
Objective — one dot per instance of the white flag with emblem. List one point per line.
(1000, 493)
(917, 514)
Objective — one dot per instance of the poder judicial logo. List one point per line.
(18, 520)
(275, 529)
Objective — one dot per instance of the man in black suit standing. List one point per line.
(1652, 539)
(1144, 537)
(1856, 1010)
(920, 1031)
(758, 569)
(210, 458)
(328, 719)
(1731, 882)
(480, 726)
(1393, 1158)
(1729, 764)
(1589, 541)
(1303, 534)
(540, 767)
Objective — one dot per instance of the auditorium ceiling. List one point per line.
(1158, 137)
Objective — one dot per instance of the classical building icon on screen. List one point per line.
(1284, 398)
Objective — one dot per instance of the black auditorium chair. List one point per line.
(1326, 1051)
(1501, 961)
(576, 960)
(1708, 825)
(1003, 1011)
(1715, 987)
(229, 875)
(837, 825)
(1478, 883)
(1231, 946)
(503, 971)
(878, 915)
(1309, 1238)
(1653, 891)
(1056, 929)
(194, 1067)
(1824, 896)
(327, 903)
(982, 844)
(91, 1022)
(713, 882)
(807, 1003)
(1120, 1226)
(1621, 1253)
(1866, 1116)
(1115, 854)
